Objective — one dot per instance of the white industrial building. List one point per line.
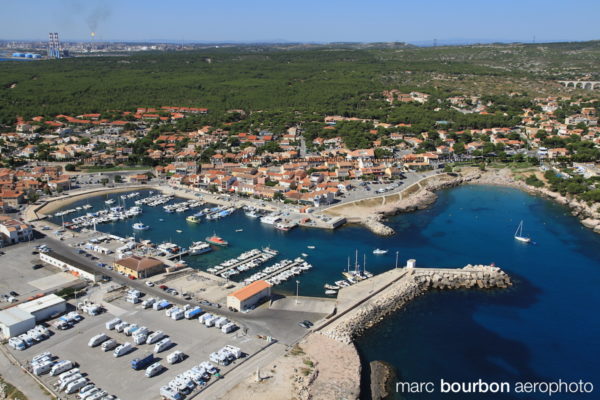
(15, 321)
(19, 319)
(75, 267)
(43, 307)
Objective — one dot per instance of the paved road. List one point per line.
(302, 147)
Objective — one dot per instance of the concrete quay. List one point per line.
(364, 304)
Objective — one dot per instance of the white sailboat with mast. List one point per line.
(519, 234)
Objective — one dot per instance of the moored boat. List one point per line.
(140, 226)
(379, 251)
(193, 219)
(199, 248)
(217, 241)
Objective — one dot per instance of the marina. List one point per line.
(280, 272)
(246, 261)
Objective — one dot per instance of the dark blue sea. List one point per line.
(543, 329)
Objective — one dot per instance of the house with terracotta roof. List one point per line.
(13, 231)
(558, 152)
(139, 267)
(12, 198)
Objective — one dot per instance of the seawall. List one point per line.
(364, 304)
(404, 285)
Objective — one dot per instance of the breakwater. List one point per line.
(402, 286)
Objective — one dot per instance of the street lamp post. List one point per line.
(297, 288)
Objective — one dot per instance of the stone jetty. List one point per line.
(369, 302)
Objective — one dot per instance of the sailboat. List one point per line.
(519, 234)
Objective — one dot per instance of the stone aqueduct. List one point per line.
(590, 85)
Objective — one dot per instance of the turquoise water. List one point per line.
(544, 328)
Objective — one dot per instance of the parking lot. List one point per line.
(115, 375)
(19, 275)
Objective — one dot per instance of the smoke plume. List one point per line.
(99, 13)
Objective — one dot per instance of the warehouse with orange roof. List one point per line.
(249, 296)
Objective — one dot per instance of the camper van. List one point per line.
(42, 368)
(155, 337)
(109, 345)
(122, 349)
(76, 385)
(175, 357)
(153, 369)
(61, 367)
(110, 325)
(98, 339)
(162, 345)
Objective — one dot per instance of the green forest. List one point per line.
(323, 80)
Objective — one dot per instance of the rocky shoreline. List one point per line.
(382, 379)
(422, 194)
(589, 215)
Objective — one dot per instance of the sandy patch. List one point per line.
(319, 368)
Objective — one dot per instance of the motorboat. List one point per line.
(199, 248)
(379, 251)
(193, 219)
(140, 226)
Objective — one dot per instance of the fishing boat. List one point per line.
(310, 247)
(178, 230)
(217, 241)
(331, 287)
(330, 292)
(193, 219)
(140, 226)
(519, 234)
(379, 251)
(239, 230)
(304, 255)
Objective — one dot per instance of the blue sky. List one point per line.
(304, 21)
